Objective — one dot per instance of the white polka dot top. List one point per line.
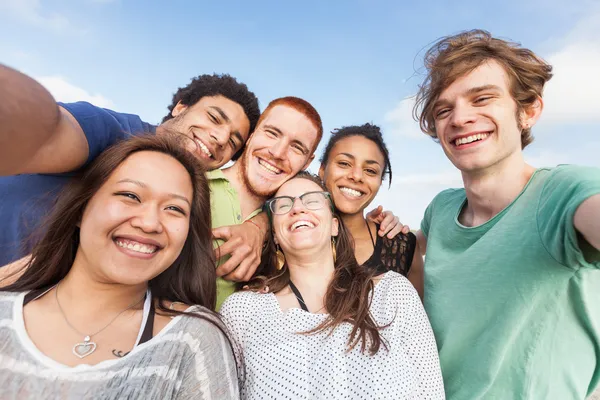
(281, 363)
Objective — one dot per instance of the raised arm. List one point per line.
(36, 135)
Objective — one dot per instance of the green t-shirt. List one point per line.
(225, 210)
(515, 303)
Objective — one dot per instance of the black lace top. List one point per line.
(393, 254)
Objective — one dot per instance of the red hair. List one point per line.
(300, 105)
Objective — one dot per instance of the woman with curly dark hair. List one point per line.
(353, 166)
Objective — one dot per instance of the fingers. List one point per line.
(228, 247)
(236, 259)
(245, 270)
(375, 214)
(223, 232)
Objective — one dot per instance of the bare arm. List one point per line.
(587, 220)
(421, 242)
(415, 275)
(36, 135)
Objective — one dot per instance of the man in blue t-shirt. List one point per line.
(43, 142)
(512, 280)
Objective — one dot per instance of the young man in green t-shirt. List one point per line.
(512, 285)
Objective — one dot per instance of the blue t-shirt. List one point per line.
(26, 199)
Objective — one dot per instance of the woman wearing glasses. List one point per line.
(353, 166)
(317, 325)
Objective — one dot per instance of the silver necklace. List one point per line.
(87, 347)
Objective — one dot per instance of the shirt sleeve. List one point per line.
(562, 194)
(102, 127)
(426, 221)
(210, 370)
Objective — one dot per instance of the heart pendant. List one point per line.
(84, 349)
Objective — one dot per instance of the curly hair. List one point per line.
(218, 85)
(368, 131)
(453, 57)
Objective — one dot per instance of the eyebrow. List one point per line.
(143, 185)
(226, 118)
(367, 161)
(470, 92)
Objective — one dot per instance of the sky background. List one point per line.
(356, 61)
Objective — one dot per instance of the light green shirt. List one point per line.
(225, 210)
(515, 303)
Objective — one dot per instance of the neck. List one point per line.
(248, 200)
(312, 275)
(356, 224)
(492, 190)
(80, 291)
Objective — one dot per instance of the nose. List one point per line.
(148, 220)
(277, 151)
(220, 135)
(462, 115)
(297, 207)
(356, 174)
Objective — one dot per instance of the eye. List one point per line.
(213, 118)
(176, 209)
(371, 171)
(343, 164)
(299, 148)
(233, 144)
(271, 133)
(442, 112)
(130, 195)
(482, 99)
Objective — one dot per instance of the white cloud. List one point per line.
(400, 120)
(30, 12)
(67, 92)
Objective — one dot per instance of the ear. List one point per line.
(532, 114)
(321, 171)
(335, 227)
(178, 109)
(312, 157)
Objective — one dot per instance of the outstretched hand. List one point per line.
(389, 224)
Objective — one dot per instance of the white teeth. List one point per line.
(351, 192)
(135, 246)
(470, 139)
(203, 148)
(268, 167)
(299, 224)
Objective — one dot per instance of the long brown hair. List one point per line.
(348, 296)
(191, 279)
(454, 56)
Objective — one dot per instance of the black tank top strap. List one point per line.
(149, 328)
(298, 296)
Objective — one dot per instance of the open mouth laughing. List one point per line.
(466, 140)
(302, 225)
(137, 248)
(270, 168)
(351, 193)
(203, 149)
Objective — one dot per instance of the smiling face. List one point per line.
(302, 229)
(353, 173)
(137, 223)
(476, 119)
(217, 126)
(281, 146)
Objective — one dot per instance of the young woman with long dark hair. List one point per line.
(115, 300)
(353, 166)
(317, 325)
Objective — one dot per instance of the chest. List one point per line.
(52, 335)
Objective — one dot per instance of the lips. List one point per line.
(352, 193)
(137, 246)
(476, 137)
(302, 225)
(203, 148)
(270, 168)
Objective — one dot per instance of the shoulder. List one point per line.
(199, 322)
(243, 303)
(570, 173)
(449, 195)
(7, 303)
(396, 286)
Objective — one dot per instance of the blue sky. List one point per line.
(356, 61)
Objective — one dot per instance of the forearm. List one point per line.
(29, 116)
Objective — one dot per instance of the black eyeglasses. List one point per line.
(311, 200)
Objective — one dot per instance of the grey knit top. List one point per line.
(189, 359)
